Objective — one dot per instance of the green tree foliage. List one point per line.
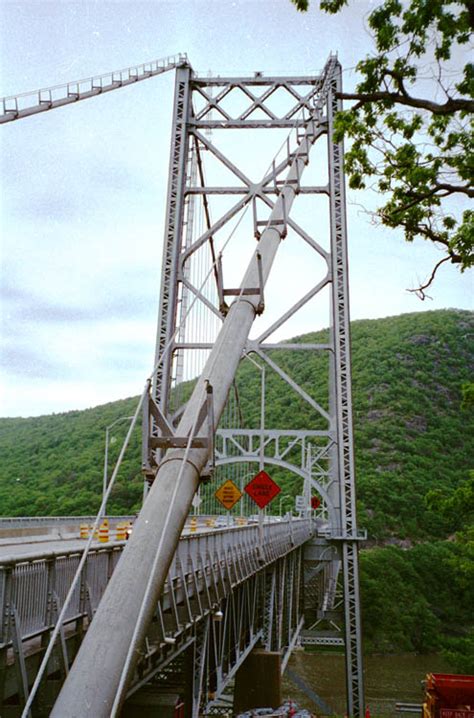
(460, 653)
(431, 604)
(457, 507)
(411, 437)
(410, 127)
(467, 395)
(413, 446)
(53, 465)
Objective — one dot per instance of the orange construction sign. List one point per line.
(228, 494)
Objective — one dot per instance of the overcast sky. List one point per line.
(83, 187)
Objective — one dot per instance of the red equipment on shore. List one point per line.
(448, 696)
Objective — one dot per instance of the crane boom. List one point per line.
(106, 661)
(16, 107)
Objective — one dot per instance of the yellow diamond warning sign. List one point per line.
(228, 494)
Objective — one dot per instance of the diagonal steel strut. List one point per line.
(97, 676)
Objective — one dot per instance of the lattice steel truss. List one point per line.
(321, 452)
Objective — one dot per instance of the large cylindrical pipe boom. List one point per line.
(126, 609)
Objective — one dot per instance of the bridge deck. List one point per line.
(207, 568)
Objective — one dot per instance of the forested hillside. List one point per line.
(413, 442)
(412, 435)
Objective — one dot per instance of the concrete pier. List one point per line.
(258, 681)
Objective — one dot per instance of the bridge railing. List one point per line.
(29, 103)
(32, 589)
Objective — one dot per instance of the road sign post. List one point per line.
(300, 503)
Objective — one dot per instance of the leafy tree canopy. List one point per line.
(411, 124)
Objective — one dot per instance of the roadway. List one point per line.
(15, 547)
(31, 548)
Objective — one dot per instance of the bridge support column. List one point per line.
(258, 681)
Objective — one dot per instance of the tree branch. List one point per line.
(454, 189)
(447, 108)
(426, 231)
(420, 291)
(417, 197)
(399, 81)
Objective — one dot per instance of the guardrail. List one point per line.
(409, 708)
(33, 589)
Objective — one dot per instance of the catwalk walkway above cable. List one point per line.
(25, 104)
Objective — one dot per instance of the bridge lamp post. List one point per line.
(106, 454)
(261, 368)
(286, 496)
(261, 460)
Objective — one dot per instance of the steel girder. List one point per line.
(172, 245)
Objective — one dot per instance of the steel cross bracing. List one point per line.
(208, 106)
(244, 119)
(222, 596)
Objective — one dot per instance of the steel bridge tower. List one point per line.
(193, 424)
(206, 178)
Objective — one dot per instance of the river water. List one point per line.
(388, 680)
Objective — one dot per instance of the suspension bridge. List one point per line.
(84, 633)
